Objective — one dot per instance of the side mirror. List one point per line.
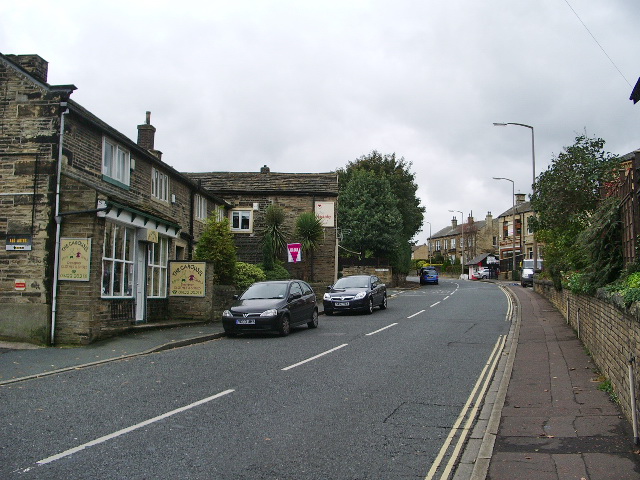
(329, 287)
(235, 297)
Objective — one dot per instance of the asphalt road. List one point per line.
(360, 397)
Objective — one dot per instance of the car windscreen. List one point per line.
(265, 290)
(352, 282)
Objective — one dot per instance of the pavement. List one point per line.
(544, 418)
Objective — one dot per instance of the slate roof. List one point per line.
(520, 208)
(450, 230)
(271, 182)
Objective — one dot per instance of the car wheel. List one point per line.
(383, 305)
(369, 310)
(314, 320)
(285, 326)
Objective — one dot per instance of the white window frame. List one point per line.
(200, 205)
(118, 260)
(236, 217)
(116, 162)
(219, 213)
(157, 261)
(159, 185)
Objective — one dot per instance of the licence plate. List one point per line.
(342, 304)
(246, 321)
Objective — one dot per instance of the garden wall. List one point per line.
(609, 331)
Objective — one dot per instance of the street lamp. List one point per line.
(429, 242)
(513, 215)
(533, 158)
(462, 233)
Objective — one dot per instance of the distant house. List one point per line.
(89, 219)
(515, 221)
(479, 237)
(250, 193)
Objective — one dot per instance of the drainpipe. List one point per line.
(58, 218)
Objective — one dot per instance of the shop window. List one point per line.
(117, 261)
(157, 268)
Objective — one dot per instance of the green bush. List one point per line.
(277, 272)
(246, 274)
(216, 245)
(576, 282)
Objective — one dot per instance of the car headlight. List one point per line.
(326, 297)
(227, 314)
(269, 313)
(360, 295)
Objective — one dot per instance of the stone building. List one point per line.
(519, 216)
(479, 237)
(90, 219)
(250, 193)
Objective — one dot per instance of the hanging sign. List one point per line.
(75, 259)
(295, 252)
(326, 212)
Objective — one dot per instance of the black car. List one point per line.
(355, 293)
(272, 306)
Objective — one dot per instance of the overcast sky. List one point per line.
(306, 86)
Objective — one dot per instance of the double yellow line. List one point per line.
(468, 412)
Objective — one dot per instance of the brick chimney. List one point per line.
(520, 197)
(265, 169)
(37, 66)
(454, 222)
(147, 135)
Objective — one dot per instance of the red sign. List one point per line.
(21, 285)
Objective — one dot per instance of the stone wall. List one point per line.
(609, 331)
(383, 273)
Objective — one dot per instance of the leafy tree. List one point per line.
(401, 181)
(369, 215)
(309, 232)
(565, 199)
(216, 245)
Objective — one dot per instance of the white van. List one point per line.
(526, 274)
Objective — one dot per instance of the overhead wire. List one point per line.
(598, 43)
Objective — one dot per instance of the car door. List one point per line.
(296, 303)
(375, 290)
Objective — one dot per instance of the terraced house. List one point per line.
(89, 219)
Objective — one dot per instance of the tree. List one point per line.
(401, 181)
(369, 215)
(566, 198)
(216, 245)
(309, 232)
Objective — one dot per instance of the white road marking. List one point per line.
(383, 328)
(418, 313)
(431, 306)
(111, 436)
(446, 298)
(315, 357)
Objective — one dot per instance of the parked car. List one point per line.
(355, 293)
(526, 274)
(272, 306)
(428, 275)
(485, 272)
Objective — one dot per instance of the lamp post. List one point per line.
(462, 233)
(429, 242)
(513, 215)
(533, 159)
